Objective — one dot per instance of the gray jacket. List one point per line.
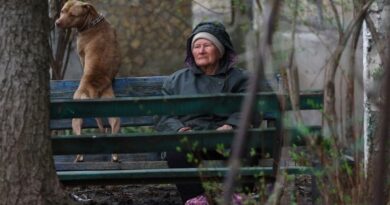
(191, 81)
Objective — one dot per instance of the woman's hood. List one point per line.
(218, 30)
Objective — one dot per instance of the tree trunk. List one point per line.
(379, 172)
(27, 173)
(376, 125)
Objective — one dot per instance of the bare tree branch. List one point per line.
(329, 89)
(240, 138)
(337, 16)
(320, 12)
(292, 71)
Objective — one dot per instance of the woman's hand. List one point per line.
(225, 127)
(184, 129)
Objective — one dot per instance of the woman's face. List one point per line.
(205, 53)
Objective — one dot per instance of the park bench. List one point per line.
(139, 101)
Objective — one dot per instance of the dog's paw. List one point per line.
(79, 158)
(114, 158)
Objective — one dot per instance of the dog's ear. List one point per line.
(76, 8)
(89, 8)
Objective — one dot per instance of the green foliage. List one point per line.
(300, 157)
(191, 158)
(252, 152)
(221, 150)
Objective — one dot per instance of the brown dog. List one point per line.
(99, 53)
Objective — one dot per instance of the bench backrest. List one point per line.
(123, 88)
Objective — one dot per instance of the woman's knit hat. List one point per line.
(210, 37)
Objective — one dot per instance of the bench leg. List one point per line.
(315, 193)
(314, 189)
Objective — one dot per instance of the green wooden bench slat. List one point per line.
(171, 175)
(146, 156)
(61, 124)
(164, 105)
(310, 100)
(127, 87)
(108, 165)
(148, 106)
(159, 142)
(123, 87)
(156, 142)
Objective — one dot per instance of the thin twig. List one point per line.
(336, 14)
(67, 55)
(292, 72)
(208, 9)
(320, 12)
(350, 129)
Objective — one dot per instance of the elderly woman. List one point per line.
(210, 58)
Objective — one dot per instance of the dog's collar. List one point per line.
(93, 23)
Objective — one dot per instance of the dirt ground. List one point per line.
(166, 194)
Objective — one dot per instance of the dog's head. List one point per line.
(74, 14)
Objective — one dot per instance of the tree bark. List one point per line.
(27, 173)
(376, 119)
(378, 159)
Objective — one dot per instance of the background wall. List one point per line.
(151, 34)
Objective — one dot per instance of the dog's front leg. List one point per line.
(115, 122)
(115, 127)
(77, 123)
(76, 126)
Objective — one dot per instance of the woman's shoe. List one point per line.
(202, 200)
(198, 200)
(237, 199)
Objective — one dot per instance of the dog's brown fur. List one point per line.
(99, 53)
